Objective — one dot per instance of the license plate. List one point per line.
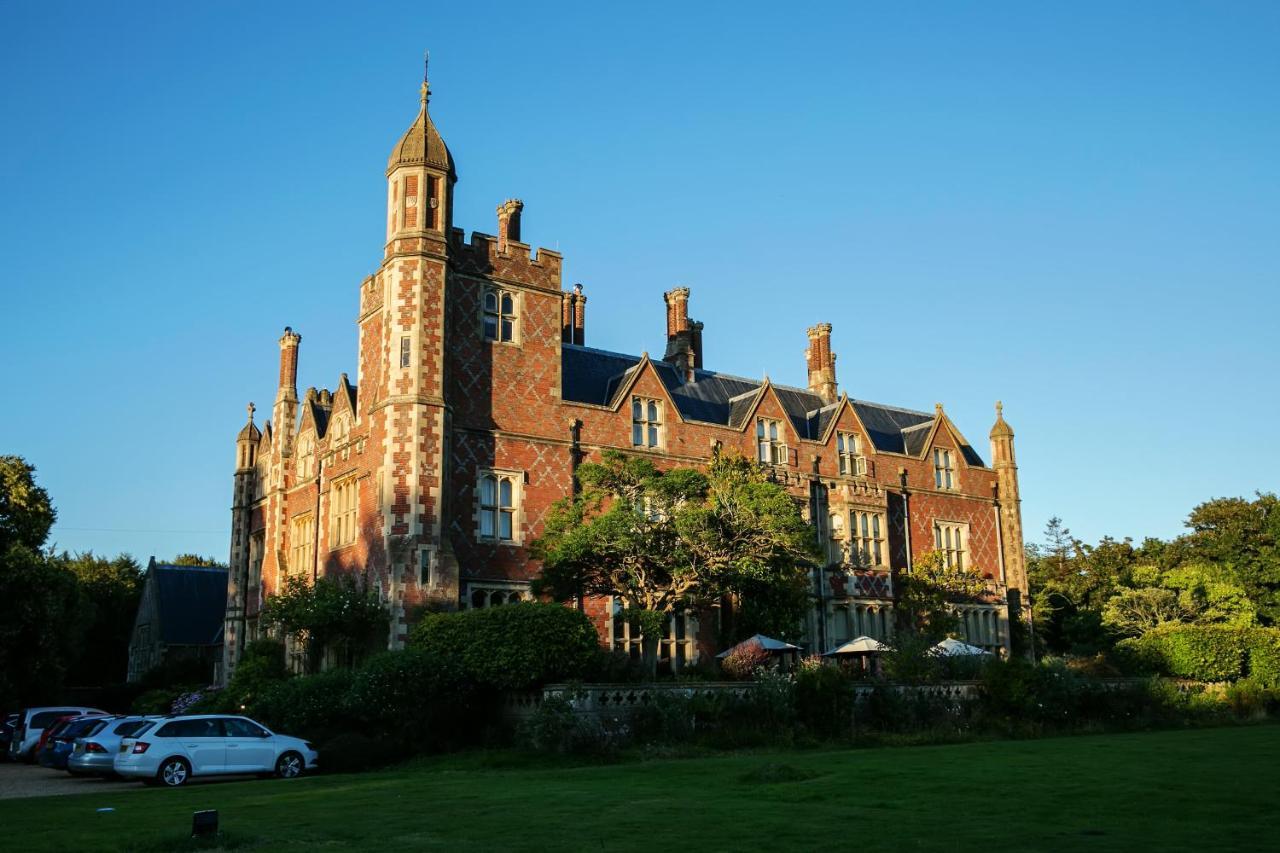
(124, 747)
(78, 748)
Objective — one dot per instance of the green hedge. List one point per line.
(1210, 653)
(515, 647)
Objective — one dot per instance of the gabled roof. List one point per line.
(596, 377)
(191, 603)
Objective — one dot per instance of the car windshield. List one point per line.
(76, 728)
(44, 718)
(130, 727)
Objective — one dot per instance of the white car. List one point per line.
(32, 723)
(172, 750)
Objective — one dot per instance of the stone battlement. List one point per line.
(517, 262)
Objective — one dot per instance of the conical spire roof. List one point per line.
(1001, 429)
(421, 143)
(250, 430)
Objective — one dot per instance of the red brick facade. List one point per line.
(471, 363)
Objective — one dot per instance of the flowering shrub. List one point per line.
(742, 663)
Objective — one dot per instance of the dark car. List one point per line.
(7, 726)
(61, 736)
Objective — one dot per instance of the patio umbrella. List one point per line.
(769, 644)
(858, 646)
(954, 648)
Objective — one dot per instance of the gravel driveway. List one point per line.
(27, 780)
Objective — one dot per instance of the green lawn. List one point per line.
(1206, 789)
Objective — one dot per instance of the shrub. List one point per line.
(350, 752)
(514, 647)
(315, 707)
(742, 663)
(554, 727)
(824, 698)
(1199, 652)
(416, 697)
(1264, 656)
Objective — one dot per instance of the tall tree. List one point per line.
(665, 541)
(111, 589)
(26, 514)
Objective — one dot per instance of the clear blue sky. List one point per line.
(1073, 207)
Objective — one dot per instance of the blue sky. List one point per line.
(1072, 207)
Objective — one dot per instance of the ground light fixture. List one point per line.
(204, 824)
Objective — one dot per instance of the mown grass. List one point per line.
(1196, 790)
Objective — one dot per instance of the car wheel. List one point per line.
(290, 766)
(174, 772)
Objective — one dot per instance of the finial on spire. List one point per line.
(999, 409)
(252, 408)
(426, 86)
(937, 408)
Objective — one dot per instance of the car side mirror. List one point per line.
(263, 733)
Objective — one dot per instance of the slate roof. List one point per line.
(597, 377)
(191, 602)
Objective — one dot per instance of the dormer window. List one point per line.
(646, 423)
(848, 449)
(499, 316)
(944, 472)
(770, 446)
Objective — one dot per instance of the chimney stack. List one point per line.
(573, 316)
(821, 363)
(285, 412)
(509, 222)
(684, 336)
(289, 365)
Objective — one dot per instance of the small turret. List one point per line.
(420, 179)
(247, 443)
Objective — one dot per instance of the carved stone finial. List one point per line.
(937, 408)
(252, 408)
(999, 409)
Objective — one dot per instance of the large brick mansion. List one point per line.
(475, 398)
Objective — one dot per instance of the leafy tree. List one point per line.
(111, 589)
(927, 592)
(26, 514)
(664, 541)
(41, 623)
(1133, 612)
(196, 560)
(1244, 535)
(336, 612)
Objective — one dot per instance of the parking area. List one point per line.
(24, 780)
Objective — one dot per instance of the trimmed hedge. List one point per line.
(1210, 653)
(514, 647)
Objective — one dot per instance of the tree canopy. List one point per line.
(26, 513)
(666, 540)
(1225, 571)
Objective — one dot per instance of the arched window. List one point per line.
(499, 315)
(498, 499)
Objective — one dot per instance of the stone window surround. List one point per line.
(954, 548)
(517, 479)
(650, 423)
(499, 315)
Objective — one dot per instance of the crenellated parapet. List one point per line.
(516, 262)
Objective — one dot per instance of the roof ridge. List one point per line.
(891, 408)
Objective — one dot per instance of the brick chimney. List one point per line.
(285, 411)
(509, 222)
(579, 316)
(684, 336)
(821, 363)
(573, 316)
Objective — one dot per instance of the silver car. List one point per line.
(95, 754)
(32, 723)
